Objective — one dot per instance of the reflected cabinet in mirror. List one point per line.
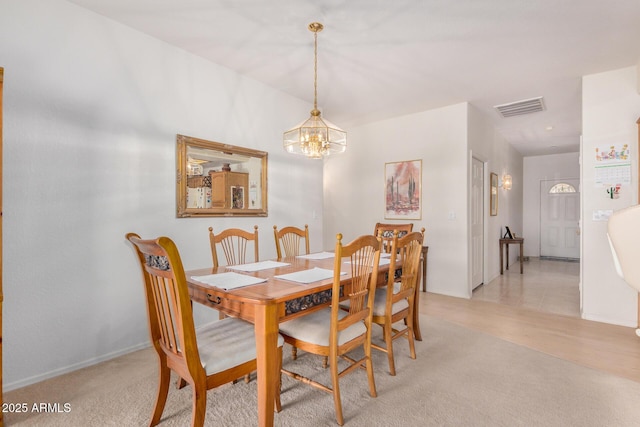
(216, 179)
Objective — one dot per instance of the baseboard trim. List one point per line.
(553, 258)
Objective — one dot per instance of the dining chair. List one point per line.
(333, 332)
(288, 242)
(234, 243)
(289, 239)
(387, 233)
(205, 357)
(395, 302)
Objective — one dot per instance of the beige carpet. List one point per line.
(460, 378)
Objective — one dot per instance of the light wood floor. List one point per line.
(520, 309)
(549, 286)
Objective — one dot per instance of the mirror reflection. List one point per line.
(216, 179)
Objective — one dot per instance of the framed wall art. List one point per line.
(237, 197)
(403, 190)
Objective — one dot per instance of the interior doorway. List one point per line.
(550, 283)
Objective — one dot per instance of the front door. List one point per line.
(559, 219)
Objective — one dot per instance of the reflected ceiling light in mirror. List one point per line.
(194, 168)
(315, 137)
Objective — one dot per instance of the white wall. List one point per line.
(92, 109)
(611, 107)
(537, 169)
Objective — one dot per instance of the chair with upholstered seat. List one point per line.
(206, 357)
(333, 332)
(234, 243)
(395, 302)
(387, 233)
(288, 243)
(289, 239)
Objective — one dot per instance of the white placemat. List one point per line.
(308, 276)
(228, 280)
(317, 255)
(257, 266)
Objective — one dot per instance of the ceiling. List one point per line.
(379, 59)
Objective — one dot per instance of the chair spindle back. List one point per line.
(288, 240)
(235, 244)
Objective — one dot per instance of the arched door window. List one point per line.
(562, 187)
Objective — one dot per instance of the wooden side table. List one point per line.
(505, 243)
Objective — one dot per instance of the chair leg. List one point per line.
(369, 363)
(335, 383)
(294, 353)
(325, 362)
(163, 390)
(388, 339)
(279, 383)
(199, 404)
(410, 334)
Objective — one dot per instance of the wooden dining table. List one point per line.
(269, 303)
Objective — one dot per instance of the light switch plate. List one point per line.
(602, 214)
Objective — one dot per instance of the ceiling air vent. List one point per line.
(519, 108)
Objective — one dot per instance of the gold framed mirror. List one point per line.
(216, 179)
(493, 195)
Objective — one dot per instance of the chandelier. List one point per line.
(315, 137)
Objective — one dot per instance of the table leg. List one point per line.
(501, 260)
(521, 257)
(507, 266)
(266, 327)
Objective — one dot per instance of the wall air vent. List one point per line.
(519, 108)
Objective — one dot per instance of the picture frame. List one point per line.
(237, 197)
(403, 190)
(215, 167)
(493, 194)
(507, 234)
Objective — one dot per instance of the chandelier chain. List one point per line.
(315, 70)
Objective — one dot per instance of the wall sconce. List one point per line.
(506, 182)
